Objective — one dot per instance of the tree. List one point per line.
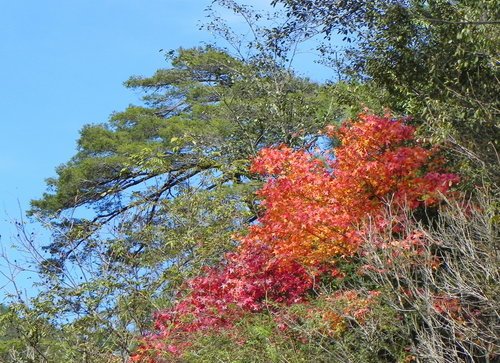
(434, 60)
(156, 193)
(204, 118)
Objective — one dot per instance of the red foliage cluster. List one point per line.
(315, 209)
(251, 279)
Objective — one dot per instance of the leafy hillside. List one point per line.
(243, 213)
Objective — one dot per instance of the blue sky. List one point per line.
(62, 65)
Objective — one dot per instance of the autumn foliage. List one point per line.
(317, 207)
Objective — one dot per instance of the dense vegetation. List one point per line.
(247, 214)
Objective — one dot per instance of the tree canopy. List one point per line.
(437, 60)
(157, 192)
(203, 119)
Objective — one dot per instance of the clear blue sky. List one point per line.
(62, 64)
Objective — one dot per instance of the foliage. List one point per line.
(27, 337)
(354, 250)
(435, 60)
(311, 218)
(444, 281)
(314, 206)
(155, 194)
